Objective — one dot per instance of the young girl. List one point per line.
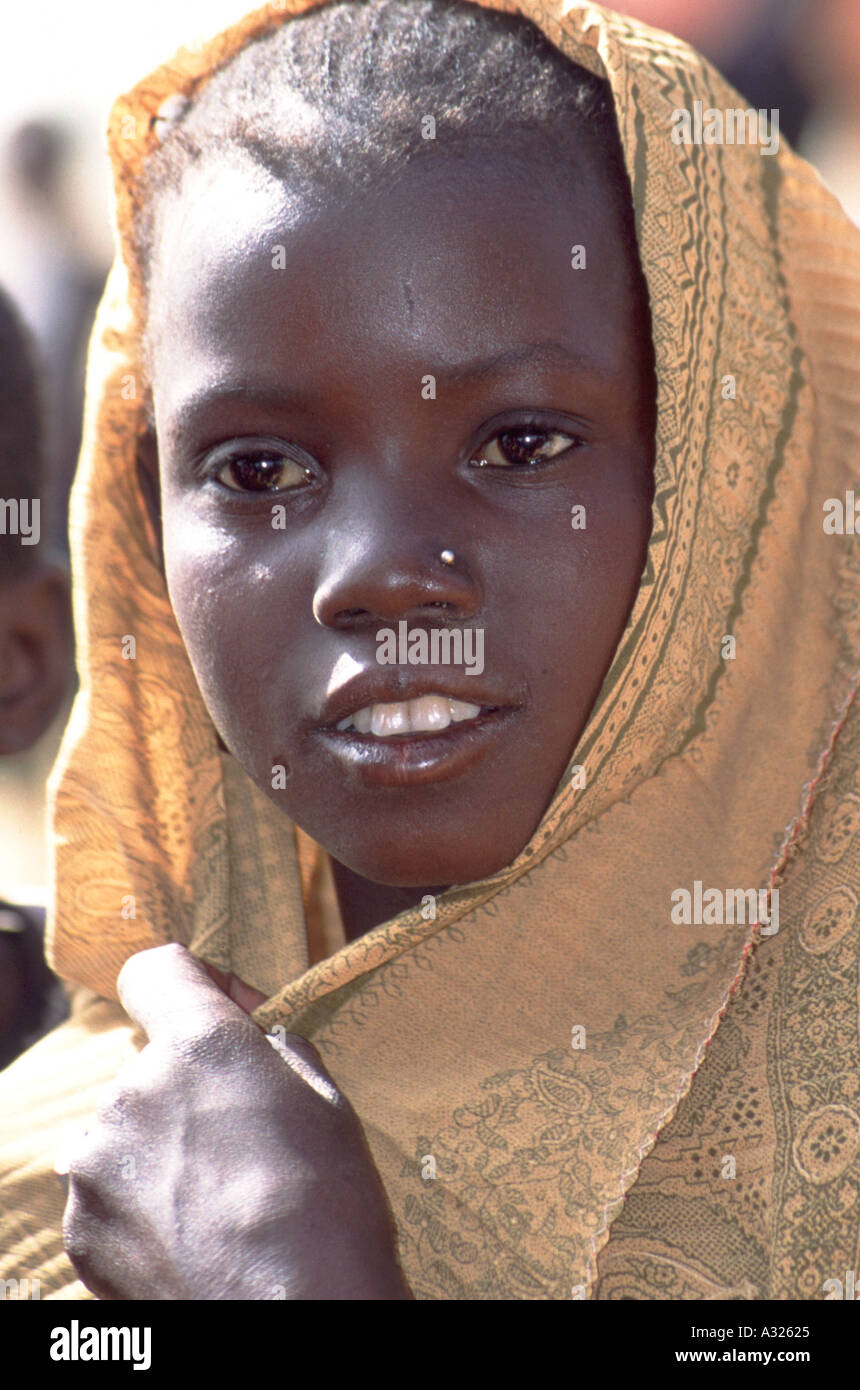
(377, 367)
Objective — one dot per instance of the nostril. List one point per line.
(349, 615)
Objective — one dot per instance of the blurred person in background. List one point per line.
(51, 264)
(55, 279)
(35, 652)
(800, 56)
(827, 52)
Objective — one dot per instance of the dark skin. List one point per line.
(35, 651)
(311, 376)
(375, 295)
(35, 657)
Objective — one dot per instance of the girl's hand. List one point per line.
(217, 1168)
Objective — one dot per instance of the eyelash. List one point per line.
(529, 425)
(211, 469)
(216, 460)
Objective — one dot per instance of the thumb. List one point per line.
(170, 994)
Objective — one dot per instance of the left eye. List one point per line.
(258, 469)
(523, 448)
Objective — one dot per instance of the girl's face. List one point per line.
(326, 382)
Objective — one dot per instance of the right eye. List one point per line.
(257, 467)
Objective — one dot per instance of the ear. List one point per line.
(35, 654)
(147, 473)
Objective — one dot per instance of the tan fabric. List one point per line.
(453, 1037)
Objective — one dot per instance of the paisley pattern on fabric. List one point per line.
(779, 1092)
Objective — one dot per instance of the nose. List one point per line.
(391, 565)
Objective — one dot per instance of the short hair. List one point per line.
(22, 441)
(334, 99)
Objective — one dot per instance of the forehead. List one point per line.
(455, 256)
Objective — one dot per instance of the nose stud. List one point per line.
(447, 557)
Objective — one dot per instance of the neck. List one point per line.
(363, 904)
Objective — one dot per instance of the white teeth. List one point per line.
(460, 709)
(429, 712)
(389, 719)
(426, 714)
(362, 719)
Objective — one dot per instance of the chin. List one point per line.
(446, 865)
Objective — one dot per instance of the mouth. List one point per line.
(428, 738)
(428, 714)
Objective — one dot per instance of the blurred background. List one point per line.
(61, 66)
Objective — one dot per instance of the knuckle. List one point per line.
(78, 1231)
(218, 1041)
(118, 1103)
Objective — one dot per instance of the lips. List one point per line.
(410, 703)
(469, 722)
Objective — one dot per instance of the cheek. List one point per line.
(584, 558)
(221, 601)
(581, 588)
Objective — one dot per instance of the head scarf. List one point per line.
(514, 1058)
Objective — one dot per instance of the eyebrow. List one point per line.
(225, 393)
(545, 353)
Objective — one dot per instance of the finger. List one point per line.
(90, 1243)
(169, 993)
(244, 995)
(221, 978)
(70, 1144)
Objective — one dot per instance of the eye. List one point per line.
(257, 467)
(526, 446)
